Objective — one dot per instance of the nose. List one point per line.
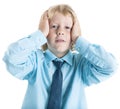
(60, 32)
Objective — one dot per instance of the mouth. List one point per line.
(59, 40)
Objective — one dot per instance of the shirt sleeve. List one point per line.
(20, 58)
(96, 64)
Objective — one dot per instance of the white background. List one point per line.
(100, 23)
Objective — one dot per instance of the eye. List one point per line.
(67, 27)
(54, 26)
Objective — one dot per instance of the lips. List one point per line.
(59, 40)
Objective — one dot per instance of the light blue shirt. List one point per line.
(91, 65)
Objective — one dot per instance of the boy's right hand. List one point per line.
(44, 24)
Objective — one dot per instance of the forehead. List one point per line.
(60, 18)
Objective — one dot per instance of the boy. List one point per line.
(58, 31)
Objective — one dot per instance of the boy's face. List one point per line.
(59, 37)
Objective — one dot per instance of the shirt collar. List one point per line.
(50, 57)
(68, 58)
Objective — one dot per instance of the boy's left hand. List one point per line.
(76, 31)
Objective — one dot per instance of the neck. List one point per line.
(59, 54)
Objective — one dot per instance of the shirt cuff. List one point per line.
(81, 45)
(39, 38)
(33, 41)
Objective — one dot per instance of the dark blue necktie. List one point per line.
(54, 101)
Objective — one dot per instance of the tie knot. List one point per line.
(58, 64)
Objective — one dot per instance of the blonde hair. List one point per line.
(63, 9)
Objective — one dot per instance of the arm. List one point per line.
(96, 64)
(20, 58)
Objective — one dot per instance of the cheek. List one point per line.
(51, 35)
(69, 38)
(50, 39)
